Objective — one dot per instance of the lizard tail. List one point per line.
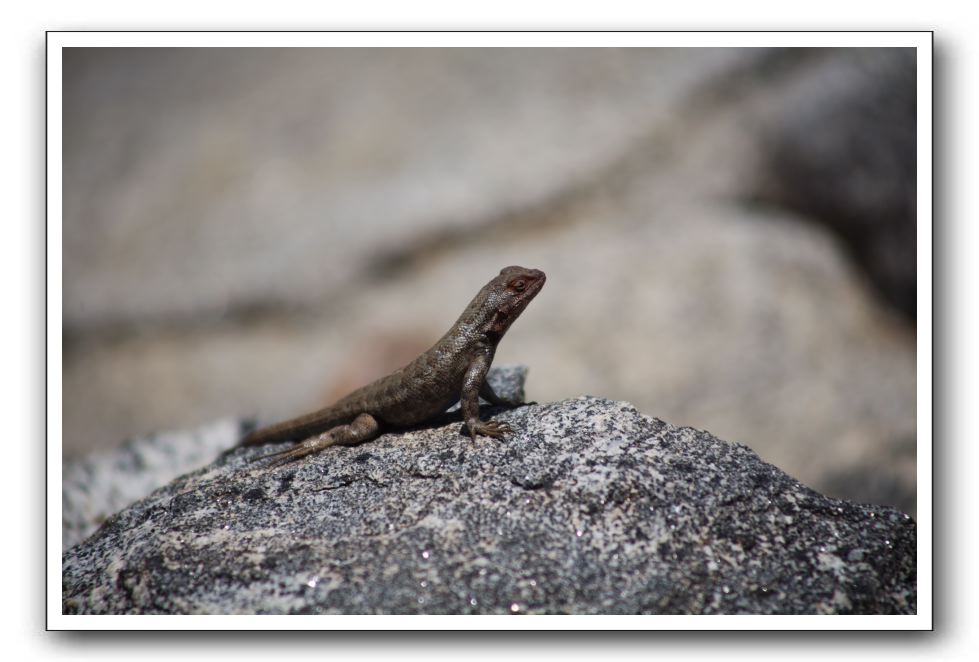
(297, 429)
(271, 434)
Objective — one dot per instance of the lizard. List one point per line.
(453, 369)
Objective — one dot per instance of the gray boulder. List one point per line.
(843, 151)
(590, 507)
(97, 485)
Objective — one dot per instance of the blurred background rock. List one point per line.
(728, 234)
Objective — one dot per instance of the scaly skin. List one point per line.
(455, 367)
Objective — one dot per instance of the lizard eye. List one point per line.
(519, 285)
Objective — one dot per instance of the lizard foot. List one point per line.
(493, 429)
(361, 429)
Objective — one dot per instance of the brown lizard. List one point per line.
(454, 367)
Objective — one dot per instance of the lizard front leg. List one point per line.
(472, 386)
(363, 428)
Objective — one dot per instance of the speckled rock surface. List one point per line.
(99, 484)
(590, 507)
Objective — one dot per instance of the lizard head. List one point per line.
(506, 296)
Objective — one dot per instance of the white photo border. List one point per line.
(922, 41)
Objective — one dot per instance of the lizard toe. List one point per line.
(504, 428)
(493, 429)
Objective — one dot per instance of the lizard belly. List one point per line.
(414, 398)
(412, 412)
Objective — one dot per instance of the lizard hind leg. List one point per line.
(363, 428)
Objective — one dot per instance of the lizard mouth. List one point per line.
(536, 284)
(533, 287)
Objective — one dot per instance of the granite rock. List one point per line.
(98, 484)
(590, 507)
(207, 181)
